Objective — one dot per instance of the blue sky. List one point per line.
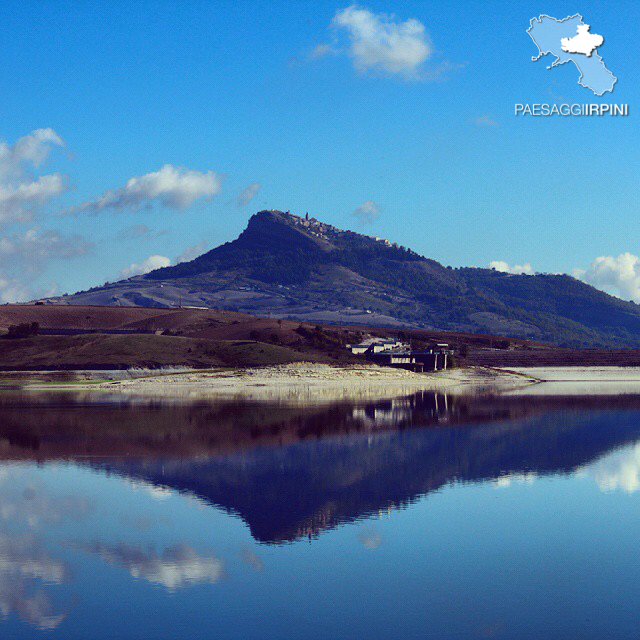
(241, 90)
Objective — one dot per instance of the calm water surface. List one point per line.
(423, 517)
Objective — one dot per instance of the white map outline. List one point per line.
(583, 38)
(556, 62)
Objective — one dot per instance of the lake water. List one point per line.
(423, 517)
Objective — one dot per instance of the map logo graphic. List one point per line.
(570, 40)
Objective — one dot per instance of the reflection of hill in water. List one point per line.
(289, 471)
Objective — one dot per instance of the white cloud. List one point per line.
(25, 254)
(150, 264)
(171, 186)
(368, 212)
(516, 269)
(18, 202)
(21, 193)
(620, 276)
(32, 149)
(190, 253)
(485, 121)
(248, 194)
(380, 42)
(177, 567)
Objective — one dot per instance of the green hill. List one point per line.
(298, 269)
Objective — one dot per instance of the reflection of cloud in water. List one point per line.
(36, 609)
(145, 522)
(502, 482)
(22, 561)
(155, 491)
(619, 470)
(35, 508)
(370, 539)
(179, 566)
(23, 555)
(252, 559)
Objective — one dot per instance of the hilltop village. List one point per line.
(325, 231)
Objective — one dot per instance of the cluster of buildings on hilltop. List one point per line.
(314, 226)
(321, 228)
(395, 353)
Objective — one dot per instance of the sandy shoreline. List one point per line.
(303, 381)
(585, 381)
(580, 374)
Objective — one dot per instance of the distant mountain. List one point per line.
(302, 269)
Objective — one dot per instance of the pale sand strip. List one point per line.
(582, 380)
(582, 374)
(304, 382)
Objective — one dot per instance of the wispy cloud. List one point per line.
(252, 559)
(14, 290)
(24, 256)
(150, 264)
(370, 539)
(516, 269)
(41, 508)
(381, 42)
(36, 248)
(248, 194)
(140, 232)
(485, 121)
(322, 51)
(368, 212)
(190, 253)
(172, 187)
(620, 276)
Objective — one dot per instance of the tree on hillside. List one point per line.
(23, 330)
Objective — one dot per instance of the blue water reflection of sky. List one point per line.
(85, 554)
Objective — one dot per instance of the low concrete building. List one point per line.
(375, 346)
(358, 348)
(418, 361)
(394, 353)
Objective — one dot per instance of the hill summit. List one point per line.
(299, 268)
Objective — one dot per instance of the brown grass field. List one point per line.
(210, 338)
(100, 351)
